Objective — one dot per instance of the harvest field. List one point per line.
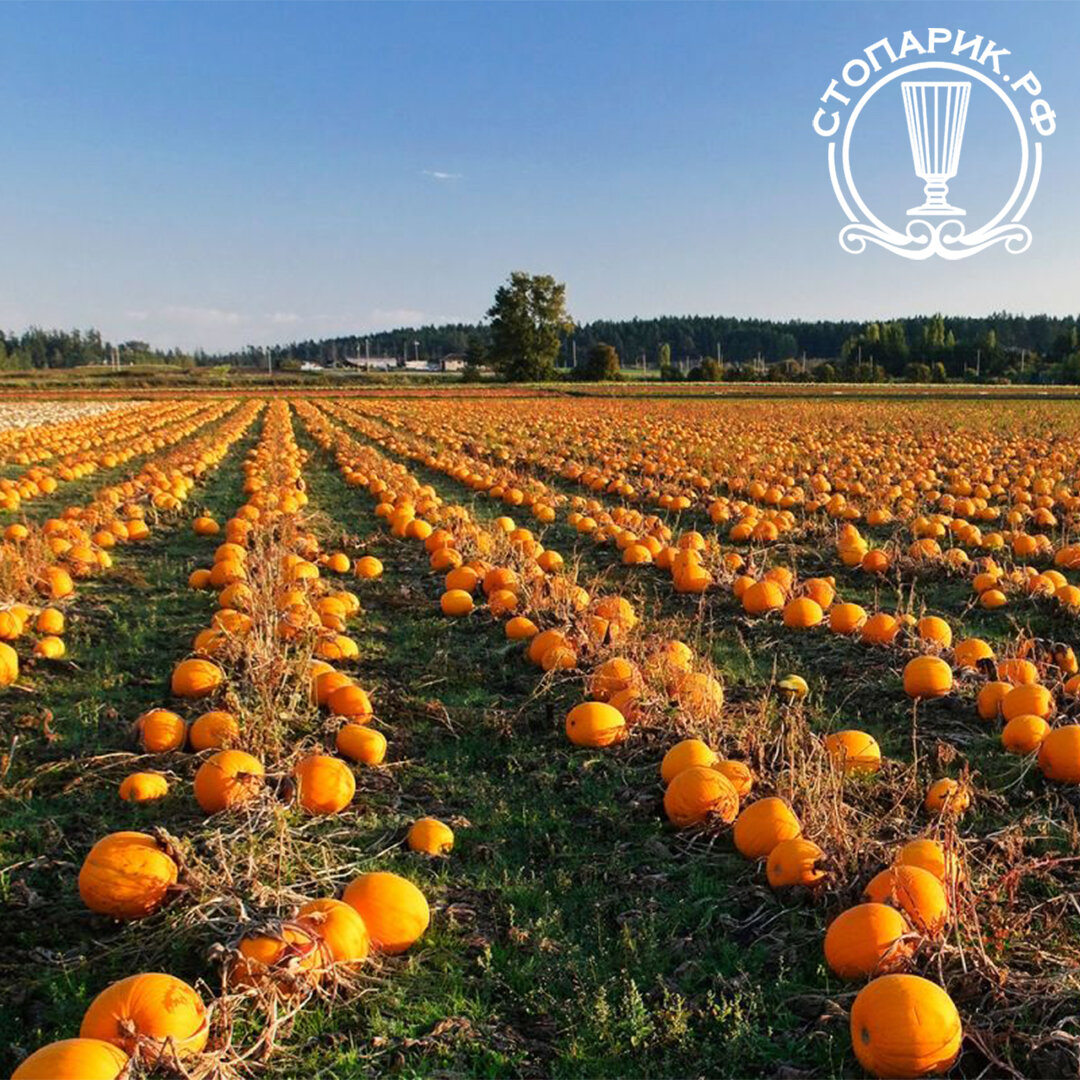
(522, 734)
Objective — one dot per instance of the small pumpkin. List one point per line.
(867, 940)
(947, 796)
(738, 774)
(794, 862)
(595, 724)
(290, 949)
(228, 780)
(361, 743)
(342, 930)
(144, 787)
(763, 825)
(325, 785)
(929, 855)
(1024, 734)
(430, 836)
(196, 678)
(1028, 700)
(927, 677)
(160, 731)
(854, 751)
(684, 754)
(697, 793)
(916, 892)
(215, 730)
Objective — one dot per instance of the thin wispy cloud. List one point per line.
(437, 174)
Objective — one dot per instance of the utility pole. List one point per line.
(978, 363)
(367, 350)
(1023, 357)
(573, 349)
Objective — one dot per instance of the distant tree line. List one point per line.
(1020, 348)
(529, 335)
(37, 349)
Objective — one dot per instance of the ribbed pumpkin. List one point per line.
(152, 1014)
(227, 780)
(126, 875)
(905, 1026)
(763, 825)
(340, 927)
(866, 940)
(325, 785)
(697, 793)
(1028, 700)
(916, 892)
(393, 909)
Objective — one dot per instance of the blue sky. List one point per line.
(214, 174)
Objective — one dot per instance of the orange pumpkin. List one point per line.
(126, 875)
(151, 1014)
(867, 940)
(905, 1026)
(393, 909)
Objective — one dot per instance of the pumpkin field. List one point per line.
(467, 733)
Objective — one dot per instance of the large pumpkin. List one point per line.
(126, 875)
(393, 909)
(152, 1014)
(73, 1059)
(905, 1026)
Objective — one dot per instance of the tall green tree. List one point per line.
(527, 318)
